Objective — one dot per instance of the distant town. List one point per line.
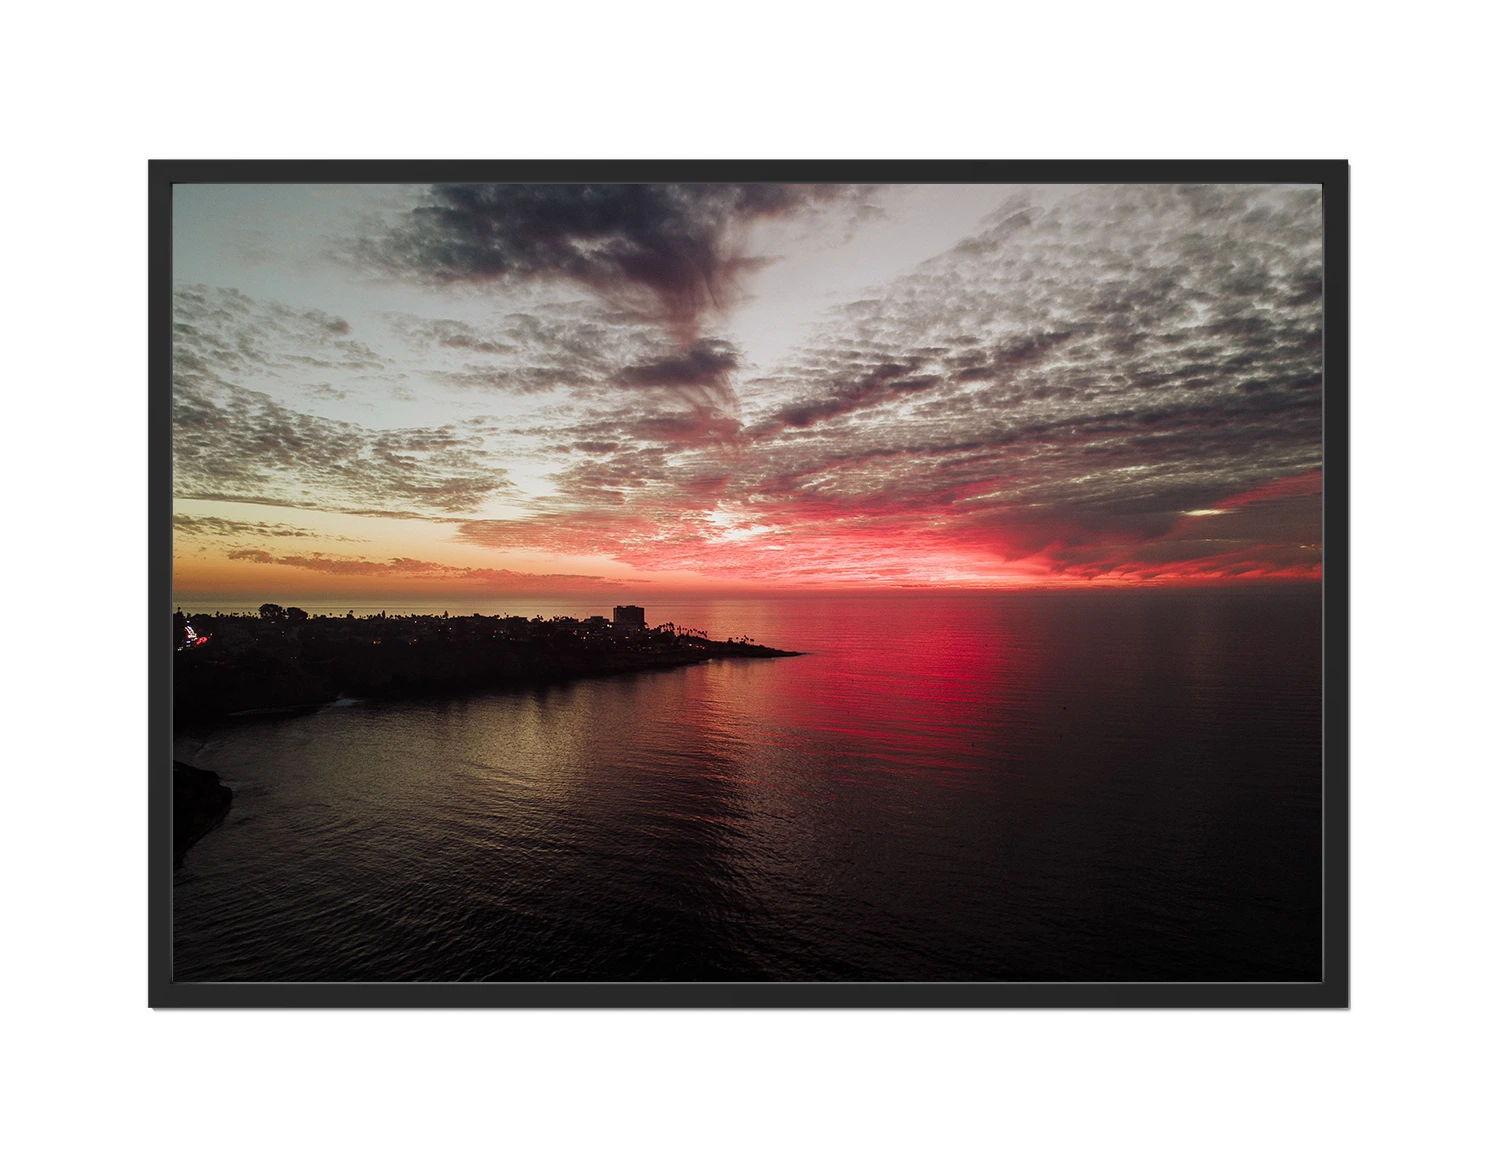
(283, 658)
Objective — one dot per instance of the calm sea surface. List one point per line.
(1107, 784)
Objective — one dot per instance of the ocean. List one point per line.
(1099, 784)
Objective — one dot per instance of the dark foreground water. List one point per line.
(1083, 785)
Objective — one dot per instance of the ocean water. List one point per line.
(1116, 784)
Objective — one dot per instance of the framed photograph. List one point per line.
(703, 584)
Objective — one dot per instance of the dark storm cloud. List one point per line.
(707, 363)
(688, 398)
(677, 246)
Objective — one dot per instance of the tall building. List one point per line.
(630, 617)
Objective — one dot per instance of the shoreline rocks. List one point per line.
(199, 803)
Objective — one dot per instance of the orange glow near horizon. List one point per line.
(902, 554)
(534, 390)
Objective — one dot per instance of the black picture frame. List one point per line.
(1331, 992)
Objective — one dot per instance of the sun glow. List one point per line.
(931, 395)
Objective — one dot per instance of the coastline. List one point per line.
(248, 666)
(200, 802)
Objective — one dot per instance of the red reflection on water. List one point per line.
(914, 682)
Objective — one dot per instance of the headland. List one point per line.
(228, 664)
(199, 802)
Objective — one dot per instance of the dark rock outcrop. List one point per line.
(199, 802)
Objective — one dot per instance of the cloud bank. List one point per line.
(1101, 383)
(410, 569)
(1052, 396)
(231, 442)
(673, 249)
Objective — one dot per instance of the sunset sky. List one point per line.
(525, 390)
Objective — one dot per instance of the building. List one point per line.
(630, 617)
